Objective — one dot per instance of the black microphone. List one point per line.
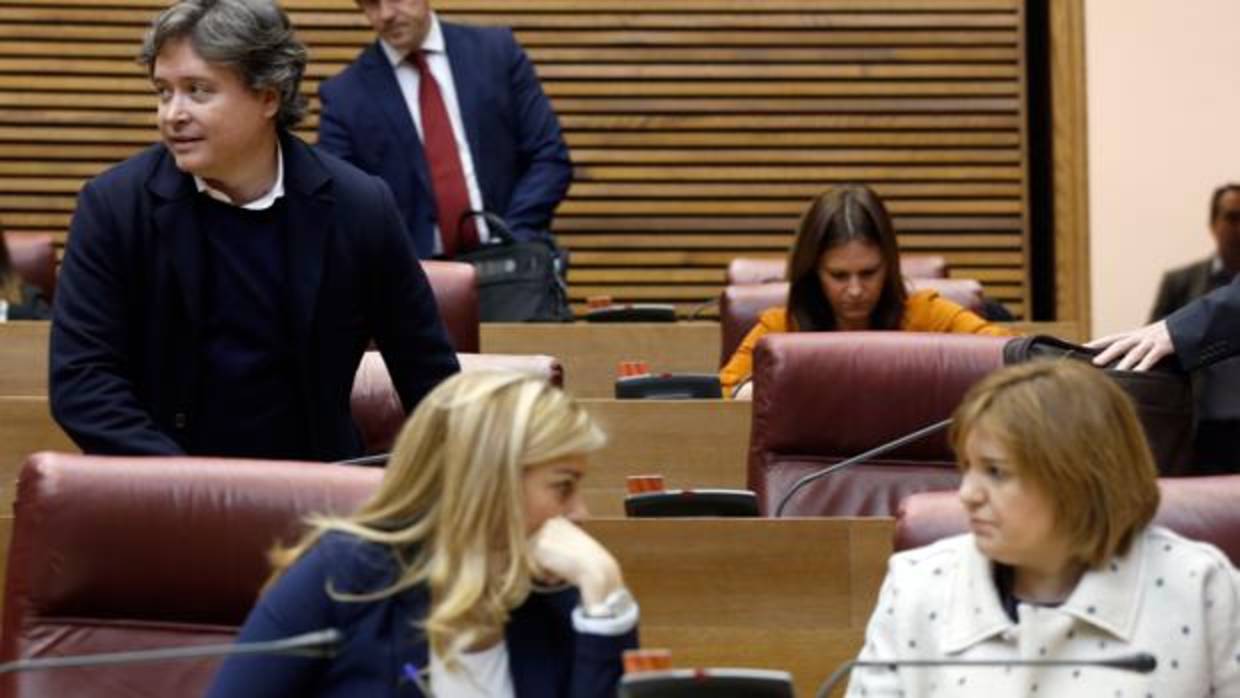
(859, 458)
(376, 459)
(1140, 663)
(316, 644)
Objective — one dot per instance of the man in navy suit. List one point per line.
(479, 135)
(220, 287)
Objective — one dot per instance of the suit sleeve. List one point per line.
(405, 320)
(297, 603)
(334, 134)
(91, 354)
(1208, 329)
(546, 169)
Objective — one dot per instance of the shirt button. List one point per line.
(179, 420)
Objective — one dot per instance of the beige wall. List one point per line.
(1164, 130)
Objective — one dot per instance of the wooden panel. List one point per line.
(713, 117)
(788, 594)
(23, 358)
(26, 427)
(692, 443)
(591, 353)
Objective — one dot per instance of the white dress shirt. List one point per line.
(408, 79)
(263, 202)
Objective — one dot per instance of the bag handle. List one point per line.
(495, 225)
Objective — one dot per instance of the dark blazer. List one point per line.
(126, 333)
(1180, 287)
(520, 158)
(547, 657)
(1208, 329)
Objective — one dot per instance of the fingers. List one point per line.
(1134, 355)
(1104, 341)
(1116, 346)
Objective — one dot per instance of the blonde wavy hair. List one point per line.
(451, 506)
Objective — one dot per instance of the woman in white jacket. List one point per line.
(1060, 563)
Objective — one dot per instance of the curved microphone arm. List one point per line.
(1140, 663)
(316, 644)
(876, 451)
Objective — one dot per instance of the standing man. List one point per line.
(454, 119)
(220, 287)
(1181, 286)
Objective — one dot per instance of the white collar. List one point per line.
(433, 43)
(1108, 597)
(263, 202)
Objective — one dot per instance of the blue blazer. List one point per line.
(128, 319)
(547, 658)
(1207, 330)
(519, 154)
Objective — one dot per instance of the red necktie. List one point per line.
(444, 160)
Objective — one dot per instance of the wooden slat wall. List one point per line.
(699, 128)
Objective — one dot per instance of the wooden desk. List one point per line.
(790, 594)
(23, 357)
(692, 443)
(26, 426)
(591, 352)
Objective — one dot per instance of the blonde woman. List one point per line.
(437, 583)
(1061, 561)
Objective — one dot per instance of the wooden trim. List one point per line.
(1070, 163)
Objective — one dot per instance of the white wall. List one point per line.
(1164, 130)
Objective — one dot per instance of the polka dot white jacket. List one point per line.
(1172, 597)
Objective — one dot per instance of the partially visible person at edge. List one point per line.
(844, 269)
(435, 581)
(1061, 561)
(220, 288)
(18, 299)
(1182, 285)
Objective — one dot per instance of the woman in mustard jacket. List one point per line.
(844, 269)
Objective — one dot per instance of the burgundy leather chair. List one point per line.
(116, 553)
(34, 259)
(740, 306)
(1203, 508)
(820, 398)
(455, 285)
(376, 407)
(764, 270)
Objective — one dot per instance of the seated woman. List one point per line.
(438, 582)
(1061, 562)
(844, 274)
(18, 300)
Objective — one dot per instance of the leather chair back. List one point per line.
(34, 259)
(740, 306)
(376, 406)
(1201, 508)
(820, 398)
(455, 285)
(123, 553)
(764, 270)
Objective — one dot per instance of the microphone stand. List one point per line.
(1141, 663)
(876, 451)
(316, 644)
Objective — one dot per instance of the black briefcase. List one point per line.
(1163, 396)
(519, 281)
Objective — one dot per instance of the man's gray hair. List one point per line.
(254, 37)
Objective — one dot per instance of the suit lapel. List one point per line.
(177, 226)
(310, 226)
(471, 87)
(380, 81)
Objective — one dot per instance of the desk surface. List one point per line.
(790, 594)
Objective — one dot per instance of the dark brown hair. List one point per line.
(1216, 199)
(838, 216)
